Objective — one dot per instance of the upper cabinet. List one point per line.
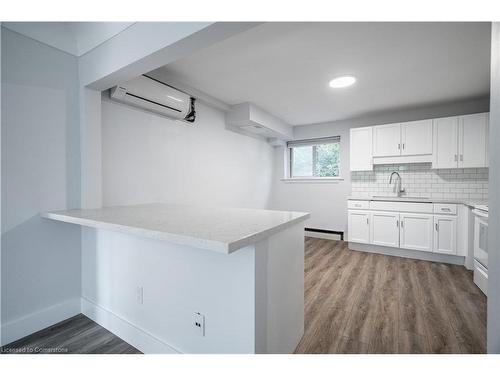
(416, 138)
(445, 143)
(361, 149)
(461, 141)
(405, 142)
(387, 140)
(472, 140)
(450, 142)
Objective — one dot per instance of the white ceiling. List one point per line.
(285, 67)
(76, 38)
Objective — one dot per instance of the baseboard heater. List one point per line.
(317, 230)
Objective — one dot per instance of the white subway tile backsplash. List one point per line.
(421, 180)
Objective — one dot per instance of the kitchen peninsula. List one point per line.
(190, 279)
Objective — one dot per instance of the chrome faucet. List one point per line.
(400, 189)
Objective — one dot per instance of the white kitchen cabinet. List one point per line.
(416, 231)
(360, 149)
(445, 234)
(445, 142)
(416, 138)
(387, 140)
(472, 141)
(358, 226)
(384, 229)
(411, 229)
(450, 142)
(461, 141)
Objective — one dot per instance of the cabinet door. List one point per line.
(387, 140)
(445, 142)
(416, 138)
(384, 229)
(472, 140)
(361, 149)
(445, 234)
(416, 232)
(358, 226)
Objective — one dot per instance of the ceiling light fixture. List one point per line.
(343, 81)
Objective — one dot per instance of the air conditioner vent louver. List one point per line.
(155, 96)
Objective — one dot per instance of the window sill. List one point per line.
(306, 180)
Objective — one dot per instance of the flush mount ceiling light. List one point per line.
(343, 81)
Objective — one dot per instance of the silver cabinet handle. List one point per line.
(402, 224)
(397, 223)
(357, 205)
(461, 157)
(367, 221)
(403, 146)
(456, 157)
(437, 228)
(445, 209)
(399, 146)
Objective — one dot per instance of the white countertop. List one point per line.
(213, 228)
(467, 202)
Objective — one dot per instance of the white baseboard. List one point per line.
(31, 323)
(135, 336)
(404, 253)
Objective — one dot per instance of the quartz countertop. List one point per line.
(468, 202)
(213, 228)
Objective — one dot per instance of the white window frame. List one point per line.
(287, 156)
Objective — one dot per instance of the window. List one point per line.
(315, 158)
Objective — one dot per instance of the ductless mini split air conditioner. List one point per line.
(155, 96)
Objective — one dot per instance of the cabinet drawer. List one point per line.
(445, 208)
(358, 205)
(424, 208)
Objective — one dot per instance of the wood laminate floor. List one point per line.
(355, 302)
(358, 302)
(76, 335)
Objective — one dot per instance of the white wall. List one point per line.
(155, 44)
(148, 158)
(327, 201)
(40, 171)
(177, 281)
(252, 299)
(494, 204)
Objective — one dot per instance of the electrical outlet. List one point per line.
(139, 294)
(199, 324)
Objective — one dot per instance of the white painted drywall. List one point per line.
(149, 158)
(285, 67)
(327, 202)
(40, 171)
(494, 203)
(147, 291)
(279, 285)
(90, 148)
(155, 44)
(177, 281)
(112, 62)
(75, 38)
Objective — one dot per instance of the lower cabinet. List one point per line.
(359, 226)
(385, 229)
(416, 232)
(413, 231)
(445, 234)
